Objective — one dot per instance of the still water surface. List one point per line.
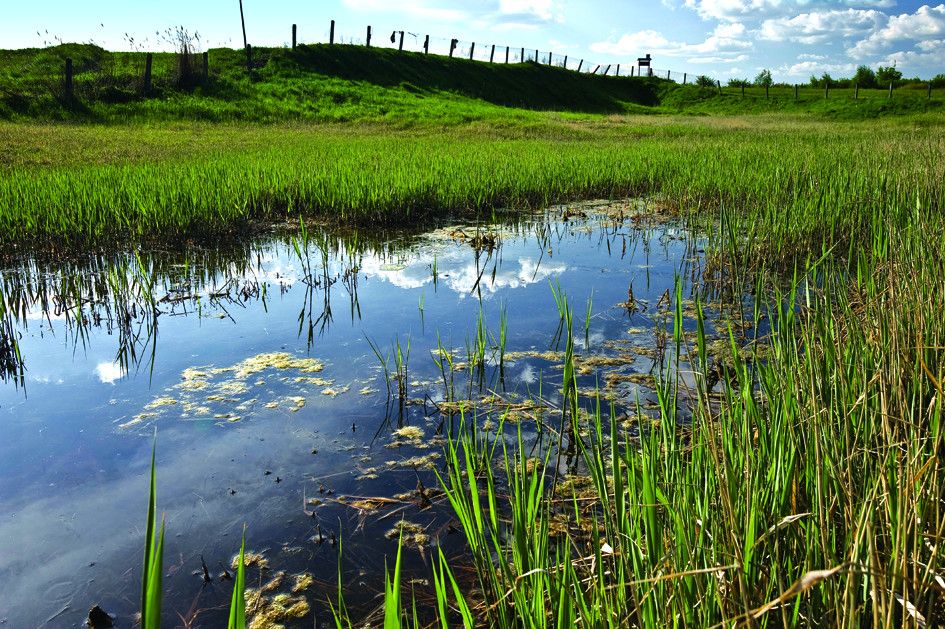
(271, 407)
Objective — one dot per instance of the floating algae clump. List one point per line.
(411, 433)
(250, 560)
(302, 582)
(140, 418)
(266, 613)
(275, 360)
(410, 534)
(228, 387)
(295, 403)
(417, 462)
(161, 402)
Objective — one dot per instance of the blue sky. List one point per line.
(721, 38)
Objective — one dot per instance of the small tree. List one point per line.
(764, 78)
(887, 75)
(738, 82)
(705, 81)
(865, 77)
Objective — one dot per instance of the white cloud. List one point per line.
(821, 26)
(439, 11)
(925, 24)
(732, 10)
(108, 373)
(816, 68)
(545, 10)
(725, 44)
(729, 10)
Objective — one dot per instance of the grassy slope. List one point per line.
(350, 83)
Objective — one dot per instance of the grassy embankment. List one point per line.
(808, 487)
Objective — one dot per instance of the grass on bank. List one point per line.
(803, 179)
(346, 83)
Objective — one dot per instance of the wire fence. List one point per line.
(488, 52)
(103, 75)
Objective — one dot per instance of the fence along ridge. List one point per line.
(458, 48)
(525, 55)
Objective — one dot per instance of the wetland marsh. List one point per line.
(255, 364)
(359, 322)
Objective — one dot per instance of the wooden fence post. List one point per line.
(492, 54)
(453, 43)
(521, 59)
(368, 36)
(294, 31)
(685, 75)
(565, 66)
(472, 49)
(580, 65)
(506, 55)
(206, 65)
(401, 46)
(148, 58)
(719, 84)
(68, 82)
(890, 89)
(667, 74)
(618, 69)
(631, 71)
(856, 91)
(331, 34)
(826, 90)
(550, 56)
(536, 56)
(607, 70)
(426, 45)
(743, 90)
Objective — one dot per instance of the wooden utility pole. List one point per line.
(249, 65)
(69, 76)
(426, 45)
(148, 59)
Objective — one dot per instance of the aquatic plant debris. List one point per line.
(220, 393)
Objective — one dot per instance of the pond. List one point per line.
(269, 370)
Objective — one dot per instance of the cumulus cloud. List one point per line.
(520, 13)
(804, 69)
(109, 373)
(735, 10)
(927, 23)
(821, 26)
(725, 44)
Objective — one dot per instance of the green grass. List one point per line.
(77, 186)
(807, 487)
